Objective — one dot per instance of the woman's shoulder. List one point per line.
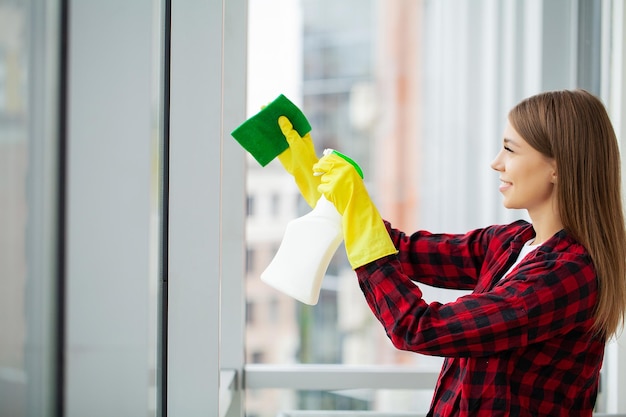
(565, 248)
(520, 229)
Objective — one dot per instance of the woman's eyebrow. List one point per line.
(508, 141)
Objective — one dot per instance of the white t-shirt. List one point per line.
(526, 249)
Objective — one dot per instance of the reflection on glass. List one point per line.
(28, 175)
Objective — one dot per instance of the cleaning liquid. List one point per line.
(308, 245)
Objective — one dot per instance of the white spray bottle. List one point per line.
(308, 245)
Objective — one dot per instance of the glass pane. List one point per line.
(331, 60)
(418, 96)
(28, 190)
(335, 69)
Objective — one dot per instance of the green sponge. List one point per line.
(261, 136)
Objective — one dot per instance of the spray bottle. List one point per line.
(308, 245)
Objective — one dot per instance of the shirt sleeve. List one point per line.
(451, 261)
(542, 298)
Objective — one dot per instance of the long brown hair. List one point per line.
(574, 128)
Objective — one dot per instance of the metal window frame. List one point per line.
(337, 377)
(206, 208)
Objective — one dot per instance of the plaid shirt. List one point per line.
(517, 346)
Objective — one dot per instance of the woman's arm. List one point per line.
(545, 298)
(441, 260)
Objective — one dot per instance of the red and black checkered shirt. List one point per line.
(517, 346)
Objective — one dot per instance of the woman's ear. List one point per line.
(554, 175)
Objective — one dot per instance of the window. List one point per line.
(251, 206)
(274, 310)
(130, 252)
(250, 260)
(258, 357)
(250, 313)
(275, 205)
(417, 94)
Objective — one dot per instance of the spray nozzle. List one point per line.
(356, 166)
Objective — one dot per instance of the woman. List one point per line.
(529, 340)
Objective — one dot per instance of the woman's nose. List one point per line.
(496, 164)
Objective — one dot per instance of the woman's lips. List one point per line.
(504, 185)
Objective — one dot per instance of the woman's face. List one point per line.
(527, 177)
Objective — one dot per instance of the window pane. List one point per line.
(330, 72)
(417, 93)
(28, 190)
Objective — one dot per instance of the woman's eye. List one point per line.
(506, 148)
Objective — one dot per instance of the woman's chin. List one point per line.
(510, 205)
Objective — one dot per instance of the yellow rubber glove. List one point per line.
(298, 160)
(365, 235)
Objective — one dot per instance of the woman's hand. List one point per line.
(298, 160)
(365, 235)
